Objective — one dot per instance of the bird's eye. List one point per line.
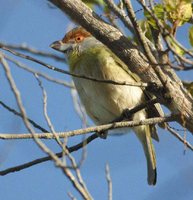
(79, 39)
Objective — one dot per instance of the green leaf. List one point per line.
(92, 3)
(191, 35)
(178, 11)
(158, 11)
(176, 47)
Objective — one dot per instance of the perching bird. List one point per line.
(105, 102)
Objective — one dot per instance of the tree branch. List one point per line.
(19, 114)
(109, 182)
(80, 188)
(137, 84)
(100, 128)
(47, 158)
(27, 48)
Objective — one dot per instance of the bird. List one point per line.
(88, 57)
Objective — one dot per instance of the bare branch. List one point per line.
(109, 182)
(48, 158)
(79, 108)
(137, 84)
(43, 75)
(127, 114)
(140, 35)
(121, 14)
(82, 191)
(175, 134)
(19, 114)
(49, 123)
(71, 196)
(100, 128)
(27, 48)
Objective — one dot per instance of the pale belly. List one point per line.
(105, 102)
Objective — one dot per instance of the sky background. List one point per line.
(38, 24)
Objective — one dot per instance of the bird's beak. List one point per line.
(56, 45)
(60, 46)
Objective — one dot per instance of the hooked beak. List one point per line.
(60, 46)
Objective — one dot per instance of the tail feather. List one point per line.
(151, 160)
(143, 133)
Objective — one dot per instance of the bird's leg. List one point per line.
(126, 114)
(102, 134)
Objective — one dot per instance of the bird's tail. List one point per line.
(144, 135)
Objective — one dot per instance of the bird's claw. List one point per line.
(126, 114)
(102, 134)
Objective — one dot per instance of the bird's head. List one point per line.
(75, 41)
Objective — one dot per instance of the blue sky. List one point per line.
(38, 25)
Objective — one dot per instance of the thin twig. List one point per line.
(71, 196)
(137, 84)
(48, 120)
(48, 158)
(109, 182)
(121, 14)
(82, 115)
(46, 134)
(79, 108)
(19, 114)
(26, 47)
(181, 139)
(140, 35)
(82, 191)
(43, 75)
(99, 128)
(63, 146)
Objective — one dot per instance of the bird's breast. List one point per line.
(103, 101)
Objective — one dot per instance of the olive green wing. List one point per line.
(152, 111)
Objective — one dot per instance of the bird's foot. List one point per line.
(102, 134)
(126, 114)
